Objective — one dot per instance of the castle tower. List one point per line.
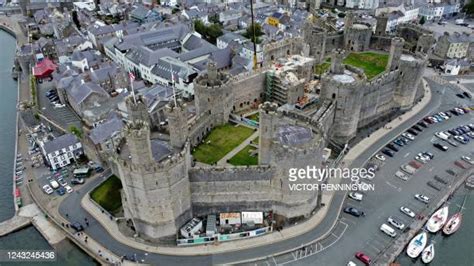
(138, 140)
(316, 38)
(267, 123)
(177, 123)
(357, 36)
(137, 109)
(336, 61)
(396, 48)
(381, 27)
(156, 191)
(213, 94)
(343, 88)
(349, 20)
(411, 72)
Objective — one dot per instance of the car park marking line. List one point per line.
(390, 184)
(406, 155)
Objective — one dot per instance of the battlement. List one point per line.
(269, 107)
(279, 44)
(180, 106)
(137, 128)
(385, 77)
(169, 162)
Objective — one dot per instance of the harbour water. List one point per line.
(457, 248)
(29, 238)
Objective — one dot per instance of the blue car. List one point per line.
(61, 191)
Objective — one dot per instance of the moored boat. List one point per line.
(417, 244)
(437, 220)
(453, 224)
(428, 254)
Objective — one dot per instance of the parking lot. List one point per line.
(64, 116)
(442, 166)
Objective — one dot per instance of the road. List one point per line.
(363, 234)
(71, 205)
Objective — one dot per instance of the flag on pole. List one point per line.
(131, 76)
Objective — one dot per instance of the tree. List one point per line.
(214, 19)
(469, 7)
(249, 32)
(76, 131)
(210, 33)
(422, 20)
(75, 19)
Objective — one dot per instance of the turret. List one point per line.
(336, 61)
(177, 123)
(381, 27)
(137, 134)
(137, 109)
(396, 48)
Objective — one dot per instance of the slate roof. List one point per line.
(81, 92)
(146, 56)
(106, 130)
(60, 142)
(165, 37)
(294, 135)
(103, 73)
(166, 64)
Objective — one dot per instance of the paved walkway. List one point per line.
(367, 142)
(242, 145)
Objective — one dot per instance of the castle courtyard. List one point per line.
(219, 142)
(373, 63)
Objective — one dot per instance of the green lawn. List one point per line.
(243, 157)
(256, 140)
(372, 63)
(219, 142)
(254, 117)
(322, 68)
(107, 194)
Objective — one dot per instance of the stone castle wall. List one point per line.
(248, 90)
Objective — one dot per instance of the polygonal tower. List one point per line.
(396, 49)
(156, 195)
(316, 38)
(343, 87)
(137, 109)
(411, 71)
(177, 123)
(213, 94)
(381, 27)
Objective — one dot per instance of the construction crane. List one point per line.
(255, 65)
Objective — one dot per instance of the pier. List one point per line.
(32, 215)
(390, 254)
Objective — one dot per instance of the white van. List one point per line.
(388, 230)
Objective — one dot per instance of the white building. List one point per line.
(62, 150)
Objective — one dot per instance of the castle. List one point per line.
(163, 188)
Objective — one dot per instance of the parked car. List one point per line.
(362, 257)
(460, 95)
(407, 211)
(408, 136)
(422, 198)
(61, 191)
(392, 147)
(388, 152)
(380, 157)
(440, 146)
(354, 212)
(356, 196)
(413, 132)
(77, 226)
(422, 124)
(54, 184)
(77, 181)
(47, 189)
(441, 135)
(401, 175)
(68, 189)
(468, 159)
(395, 222)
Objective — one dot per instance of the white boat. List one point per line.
(437, 220)
(453, 224)
(428, 254)
(417, 244)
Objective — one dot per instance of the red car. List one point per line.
(362, 257)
